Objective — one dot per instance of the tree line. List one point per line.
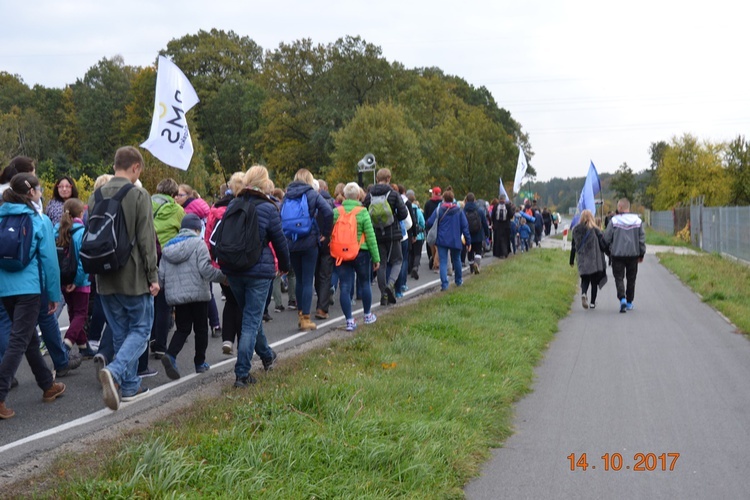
(321, 107)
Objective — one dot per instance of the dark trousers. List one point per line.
(625, 268)
(23, 341)
(162, 317)
(415, 256)
(190, 317)
(231, 317)
(390, 257)
(323, 274)
(593, 280)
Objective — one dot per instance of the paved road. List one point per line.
(672, 376)
(40, 427)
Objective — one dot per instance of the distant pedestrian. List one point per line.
(626, 241)
(501, 215)
(587, 243)
(452, 228)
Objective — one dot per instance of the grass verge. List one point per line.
(409, 407)
(724, 284)
(654, 237)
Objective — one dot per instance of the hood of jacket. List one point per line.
(181, 247)
(297, 189)
(380, 189)
(9, 208)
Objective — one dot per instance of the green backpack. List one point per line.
(380, 211)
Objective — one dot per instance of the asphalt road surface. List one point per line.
(631, 391)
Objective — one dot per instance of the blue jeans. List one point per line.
(362, 267)
(50, 329)
(251, 296)
(303, 264)
(455, 256)
(130, 318)
(404, 271)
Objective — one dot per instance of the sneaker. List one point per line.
(242, 382)
(267, 317)
(148, 372)
(292, 304)
(109, 390)
(170, 366)
(370, 319)
(390, 294)
(592, 306)
(321, 314)
(279, 308)
(629, 306)
(158, 354)
(623, 305)
(215, 332)
(268, 363)
(351, 325)
(415, 273)
(94, 345)
(585, 301)
(399, 295)
(53, 392)
(86, 351)
(74, 361)
(226, 347)
(202, 368)
(142, 391)
(100, 362)
(42, 349)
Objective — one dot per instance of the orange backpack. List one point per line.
(344, 244)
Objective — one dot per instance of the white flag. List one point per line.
(169, 139)
(520, 170)
(501, 190)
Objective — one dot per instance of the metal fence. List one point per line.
(725, 230)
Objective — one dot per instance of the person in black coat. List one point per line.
(501, 216)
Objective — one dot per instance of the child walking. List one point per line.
(76, 294)
(525, 233)
(186, 273)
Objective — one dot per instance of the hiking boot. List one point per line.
(109, 389)
(623, 305)
(584, 302)
(142, 391)
(415, 273)
(268, 362)
(170, 366)
(148, 372)
(5, 412)
(215, 332)
(305, 323)
(321, 314)
(351, 325)
(226, 347)
(202, 368)
(370, 319)
(390, 294)
(242, 382)
(55, 390)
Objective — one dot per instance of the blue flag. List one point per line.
(591, 187)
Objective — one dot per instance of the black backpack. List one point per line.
(16, 233)
(68, 261)
(475, 223)
(235, 240)
(106, 245)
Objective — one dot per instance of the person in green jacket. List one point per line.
(168, 214)
(367, 260)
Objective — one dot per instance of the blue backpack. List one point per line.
(16, 233)
(295, 217)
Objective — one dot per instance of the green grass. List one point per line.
(654, 237)
(409, 407)
(723, 283)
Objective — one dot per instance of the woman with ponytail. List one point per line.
(76, 294)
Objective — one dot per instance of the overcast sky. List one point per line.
(586, 79)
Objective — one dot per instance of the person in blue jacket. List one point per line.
(250, 287)
(21, 292)
(477, 238)
(303, 250)
(452, 225)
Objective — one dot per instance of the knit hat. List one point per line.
(191, 221)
